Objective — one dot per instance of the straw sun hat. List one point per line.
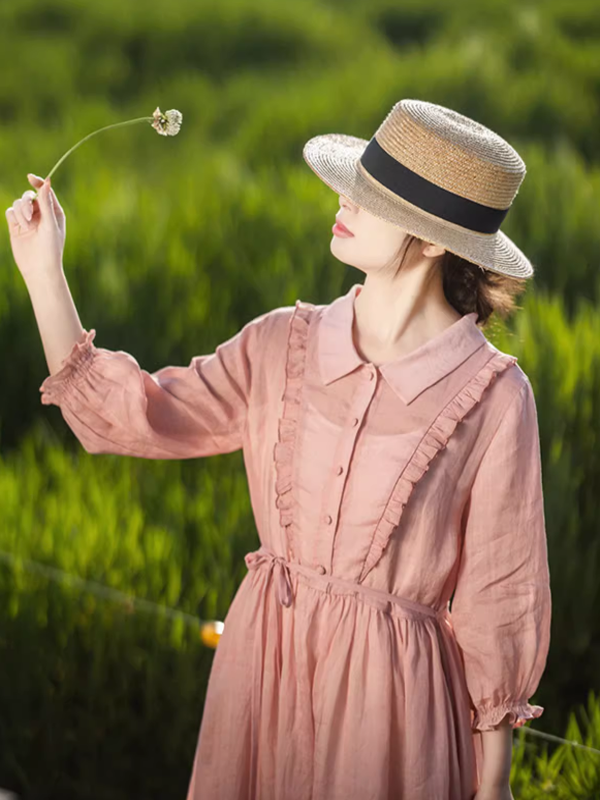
(435, 173)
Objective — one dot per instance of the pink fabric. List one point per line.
(380, 494)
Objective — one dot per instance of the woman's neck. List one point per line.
(393, 318)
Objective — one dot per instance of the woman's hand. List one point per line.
(37, 227)
(492, 792)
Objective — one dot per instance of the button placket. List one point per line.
(330, 515)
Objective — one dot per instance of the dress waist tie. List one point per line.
(264, 557)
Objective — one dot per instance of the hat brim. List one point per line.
(334, 158)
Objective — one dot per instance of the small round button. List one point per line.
(371, 375)
(355, 422)
(339, 470)
(320, 569)
(328, 519)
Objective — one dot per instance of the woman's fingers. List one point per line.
(20, 214)
(35, 180)
(13, 222)
(24, 216)
(27, 203)
(58, 209)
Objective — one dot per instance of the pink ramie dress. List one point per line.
(399, 602)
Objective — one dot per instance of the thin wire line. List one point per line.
(551, 736)
(107, 592)
(100, 589)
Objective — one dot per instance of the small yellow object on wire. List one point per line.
(210, 633)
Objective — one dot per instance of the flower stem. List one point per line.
(106, 127)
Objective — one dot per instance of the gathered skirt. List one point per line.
(323, 689)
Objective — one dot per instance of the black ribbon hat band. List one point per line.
(427, 195)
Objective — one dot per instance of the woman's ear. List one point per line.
(433, 250)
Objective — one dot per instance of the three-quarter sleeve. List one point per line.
(501, 609)
(114, 406)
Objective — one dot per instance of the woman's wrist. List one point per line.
(497, 755)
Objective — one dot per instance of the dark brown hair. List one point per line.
(470, 287)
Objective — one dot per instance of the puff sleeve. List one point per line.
(114, 406)
(501, 609)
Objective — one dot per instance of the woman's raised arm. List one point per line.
(113, 405)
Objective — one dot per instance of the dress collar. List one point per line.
(408, 375)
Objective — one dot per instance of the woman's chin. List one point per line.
(340, 244)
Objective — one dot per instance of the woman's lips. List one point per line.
(339, 230)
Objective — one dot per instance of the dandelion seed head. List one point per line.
(167, 124)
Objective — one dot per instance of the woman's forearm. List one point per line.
(56, 315)
(497, 754)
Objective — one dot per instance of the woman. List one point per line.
(394, 466)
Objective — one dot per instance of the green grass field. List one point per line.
(172, 245)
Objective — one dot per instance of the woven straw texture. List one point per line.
(448, 149)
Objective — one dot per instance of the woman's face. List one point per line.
(375, 242)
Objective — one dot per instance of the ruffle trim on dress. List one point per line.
(434, 440)
(283, 451)
(73, 368)
(487, 718)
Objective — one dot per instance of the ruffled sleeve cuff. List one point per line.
(488, 717)
(73, 368)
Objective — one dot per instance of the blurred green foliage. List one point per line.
(565, 772)
(172, 245)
